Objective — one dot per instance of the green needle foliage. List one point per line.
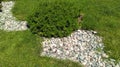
(54, 19)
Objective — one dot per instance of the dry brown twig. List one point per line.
(80, 18)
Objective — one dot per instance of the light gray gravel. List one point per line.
(81, 46)
(7, 21)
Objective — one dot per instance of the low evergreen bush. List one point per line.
(54, 19)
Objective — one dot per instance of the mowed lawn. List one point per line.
(102, 16)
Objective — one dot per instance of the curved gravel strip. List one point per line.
(81, 46)
(7, 21)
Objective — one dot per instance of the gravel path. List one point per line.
(81, 46)
(7, 21)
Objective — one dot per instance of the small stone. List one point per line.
(53, 45)
(61, 44)
(84, 63)
(112, 60)
(117, 65)
(81, 57)
(105, 56)
(67, 52)
(54, 50)
(94, 32)
(59, 52)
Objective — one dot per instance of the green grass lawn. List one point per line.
(99, 15)
(22, 49)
